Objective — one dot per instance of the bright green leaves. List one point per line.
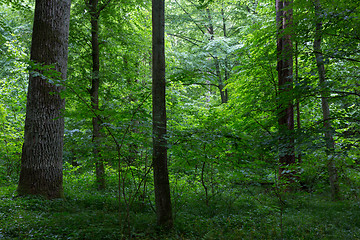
(2, 114)
(14, 39)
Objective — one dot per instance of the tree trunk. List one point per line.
(161, 175)
(330, 144)
(221, 85)
(298, 119)
(285, 81)
(225, 99)
(94, 92)
(41, 161)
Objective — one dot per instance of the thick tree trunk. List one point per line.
(41, 161)
(161, 175)
(285, 81)
(94, 93)
(330, 144)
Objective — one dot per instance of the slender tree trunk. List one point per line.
(221, 85)
(161, 175)
(285, 81)
(298, 117)
(133, 147)
(94, 92)
(41, 161)
(330, 144)
(226, 69)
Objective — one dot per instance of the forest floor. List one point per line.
(240, 212)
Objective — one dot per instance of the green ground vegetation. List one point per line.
(237, 211)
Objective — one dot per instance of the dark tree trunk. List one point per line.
(41, 161)
(94, 93)
(330, 144)
(132, 147)
(161, 176)
(285, 81)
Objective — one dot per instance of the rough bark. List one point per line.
(330, 143)
(285, 81)
(94, 93)
(161, 176)
(41, 161)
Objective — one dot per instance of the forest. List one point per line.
(179, 119)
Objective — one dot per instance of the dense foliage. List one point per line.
(223, 134)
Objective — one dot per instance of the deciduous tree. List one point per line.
(329, 139)
(95, 9)
(285, 80)
(161, 176)
(41, 162)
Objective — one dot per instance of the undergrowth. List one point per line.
(237, 212)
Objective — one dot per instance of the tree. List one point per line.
(329, 140)
(221, 84)
(161, 175)
(285, 80)
(95, 10)
(41, 161)
(205, 37)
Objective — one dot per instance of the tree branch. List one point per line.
(103, 6)
(190, 40)
(197, 25)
